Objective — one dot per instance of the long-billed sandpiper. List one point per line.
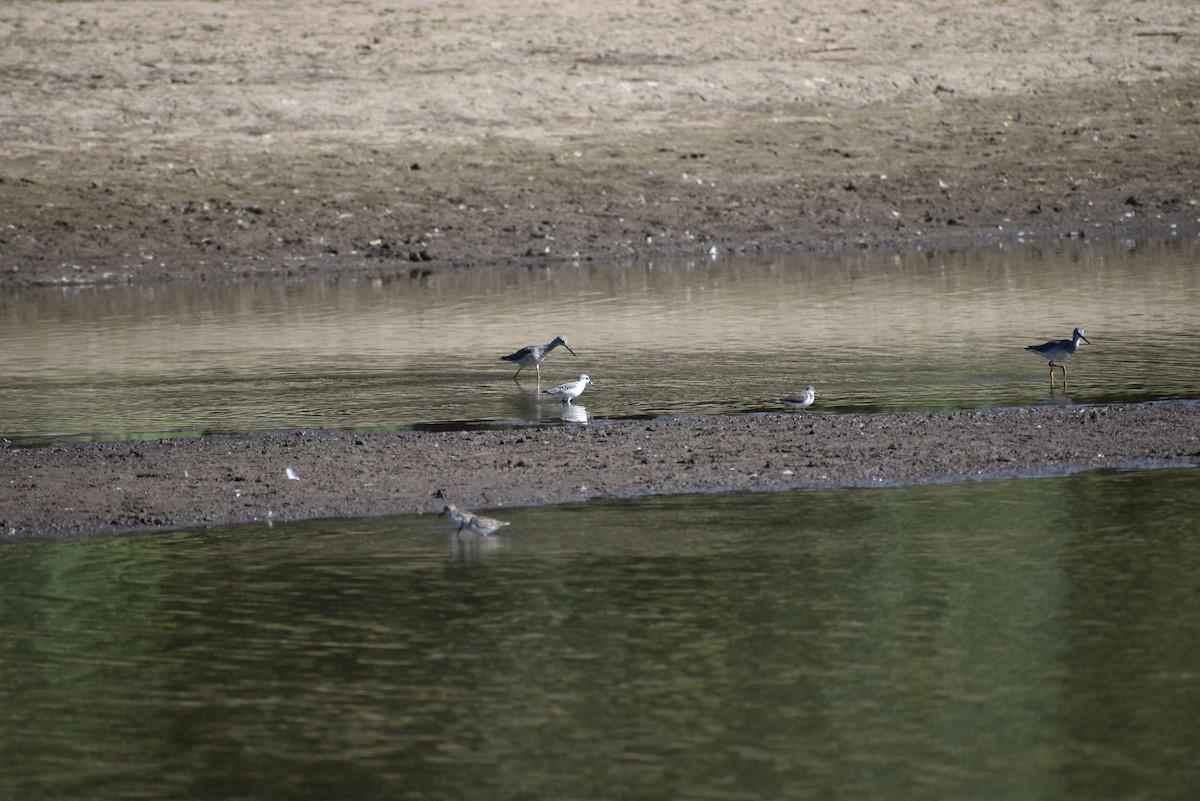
(535, 355)
(1057, 350)
(471, 521)
(570, 390)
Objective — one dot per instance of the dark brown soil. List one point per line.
(154, 139)
(75, 489)
(189, 139)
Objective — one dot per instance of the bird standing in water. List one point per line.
(570, 390)
(471, 521)
(802, 402)
(535, 355)
(1057, 350)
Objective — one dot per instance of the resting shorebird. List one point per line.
(535, 354)
(802, 402)
(1057, 350)
(570, 390)
(471, 521)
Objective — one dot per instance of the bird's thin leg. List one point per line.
(538, 367)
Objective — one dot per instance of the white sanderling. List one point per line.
(570, 390)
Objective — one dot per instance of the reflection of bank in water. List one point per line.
(879, 331)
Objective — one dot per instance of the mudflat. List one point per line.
(173, 138)
(191, 140)
(74, 489)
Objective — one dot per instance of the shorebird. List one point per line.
(804, 402)
(471, 521)
(1057, 350)
(570, 390)
(535, 354)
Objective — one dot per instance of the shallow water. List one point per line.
(989, 640)
(874, 331)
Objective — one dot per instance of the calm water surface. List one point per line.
(891, 331)
(997, 640)
(1021, 639)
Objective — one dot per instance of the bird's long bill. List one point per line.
(568, 347)
(1085, 339)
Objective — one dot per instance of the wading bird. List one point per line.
(1057, 351)
(570, 390)
(535, 354)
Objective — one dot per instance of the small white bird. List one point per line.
(810, 395)
(570, 390)
(471, 521)
(1057, 350)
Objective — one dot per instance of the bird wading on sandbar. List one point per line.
(535, 355)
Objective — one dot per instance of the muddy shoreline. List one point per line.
(160, 140)
(70, 490)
